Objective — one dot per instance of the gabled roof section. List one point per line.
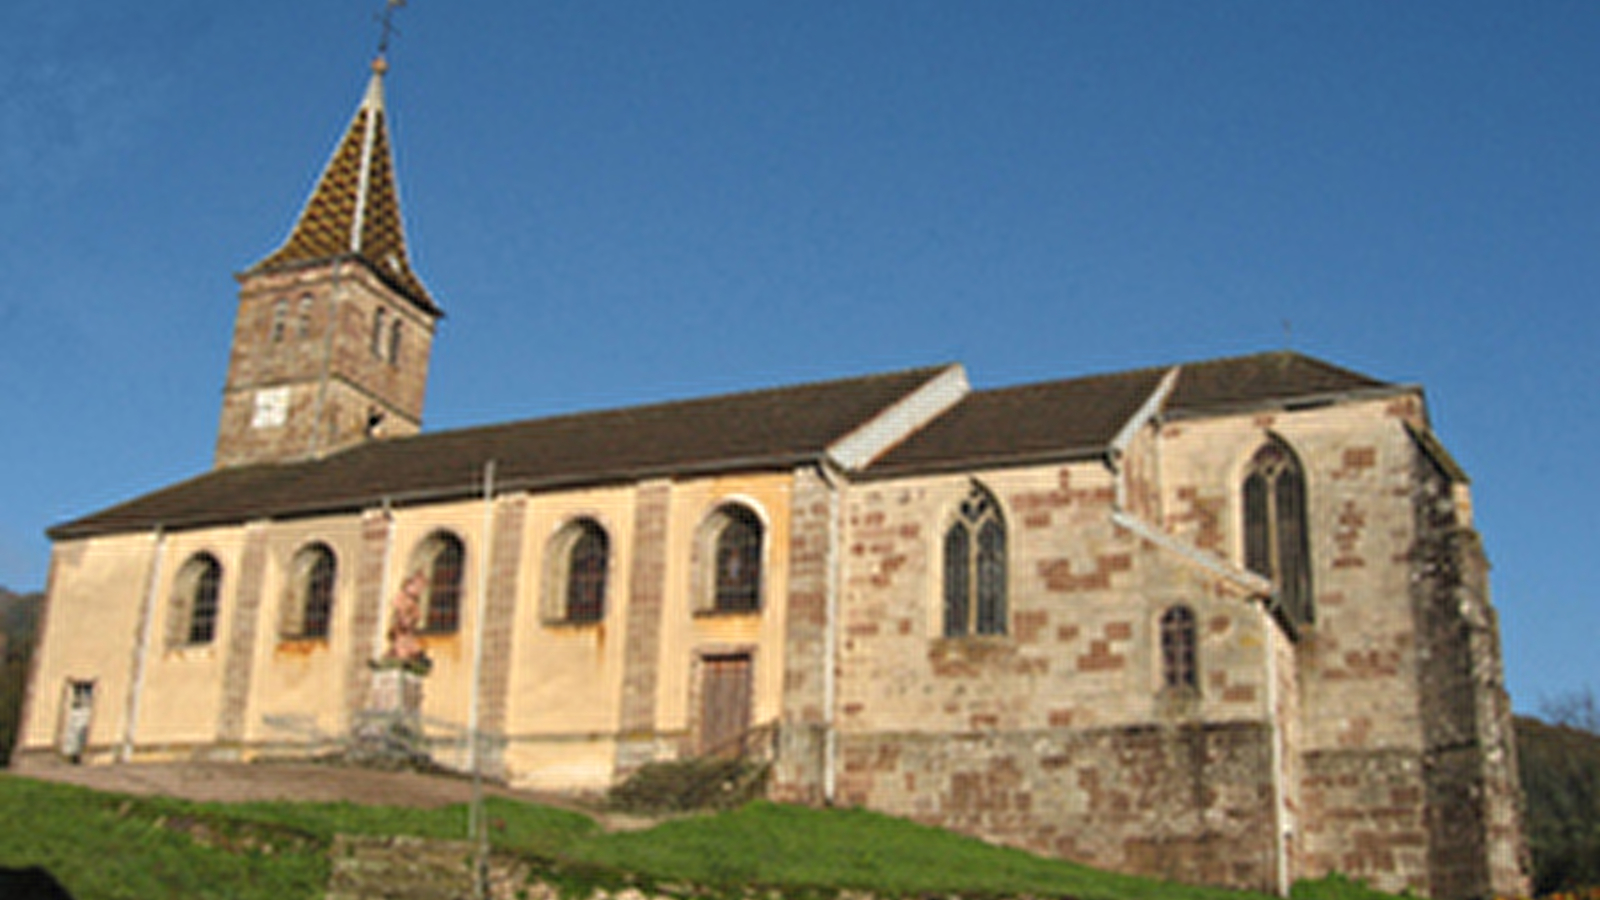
(354, 211)
(1218, 385)
(759, 430)
(1016, 425)
(1082, 417)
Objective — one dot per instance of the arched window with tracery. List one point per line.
(1276, 537)
(196, 601)
(975, 568)
(578, 563)
(441, 560)
(310, 606)
(733, 539)
(1179, 655)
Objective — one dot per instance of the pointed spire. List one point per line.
(354, 211)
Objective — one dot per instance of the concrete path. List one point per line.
(243, 782)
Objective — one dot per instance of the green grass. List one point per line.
(110, 847)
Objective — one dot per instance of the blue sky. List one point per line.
(619, 202)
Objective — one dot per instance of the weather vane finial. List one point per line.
(386, 21)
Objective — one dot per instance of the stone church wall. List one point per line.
(335, 342)
(1059, 736)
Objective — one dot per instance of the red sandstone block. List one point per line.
(1119, 631)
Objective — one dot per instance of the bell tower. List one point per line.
(334, 330)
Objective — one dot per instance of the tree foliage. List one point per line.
(1559, 761)
(19, 614)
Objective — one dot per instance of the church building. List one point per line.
(1224, 621)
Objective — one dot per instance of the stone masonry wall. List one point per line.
(1472, 788)
(797, 776)
(1191, 802)
(333, 345)
(1059, 736)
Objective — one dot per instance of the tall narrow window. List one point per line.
(586, 562)
(394, 341)
(196, 599)
(975, 568)
(379, 316)
(304, 326)
(1276, 539)
(1179, 668)
(441, 558)
(280, 318)
(736, 560)
(310, 613)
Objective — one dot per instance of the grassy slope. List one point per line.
(108, 847)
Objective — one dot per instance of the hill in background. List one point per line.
(19, 625)
(1560, 766)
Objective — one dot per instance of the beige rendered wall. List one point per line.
(689, 630)
(296, 691)
(90, 627)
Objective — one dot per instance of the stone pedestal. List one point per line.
(388, 733)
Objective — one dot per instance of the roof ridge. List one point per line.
(667, 405)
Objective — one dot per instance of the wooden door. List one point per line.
(724, 704)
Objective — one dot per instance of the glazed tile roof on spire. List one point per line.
(354, 211)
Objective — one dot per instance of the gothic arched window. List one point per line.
(975, 568)
(1276, 540)
(196, 601)
(310, 607)
(440, 559)
(734, 538)
(1179, 663)
(579, 558)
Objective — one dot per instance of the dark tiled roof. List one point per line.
(343, 220)
(758, 429)
(770, 429)
(1263, 378)
(1081, 416)
(1007, 425)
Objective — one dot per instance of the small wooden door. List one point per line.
(724, 704)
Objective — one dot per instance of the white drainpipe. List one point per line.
(478, 616)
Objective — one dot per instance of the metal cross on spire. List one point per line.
(386, 22)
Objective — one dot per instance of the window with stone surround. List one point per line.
(576, 567)
(395, 328)
(441, 560)
(379, 317)
(975, 567)
(196, 597)
(730, 548)
(304, 327)
(308, 609)
(1276, 540)
(1179, 655)
(280, 318)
